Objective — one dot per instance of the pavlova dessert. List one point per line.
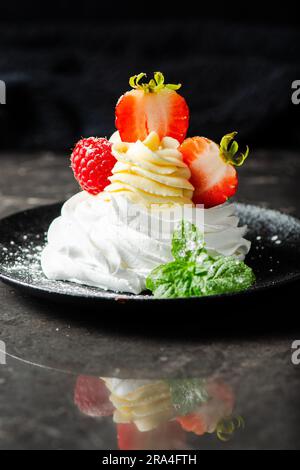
(153, 211)
(160, 412)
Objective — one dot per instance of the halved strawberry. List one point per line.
(193, 422)
(169, 435)
(212, 166)
(153, 106)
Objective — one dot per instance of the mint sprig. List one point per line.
(188, 243)
(187, 394)
(196, 273)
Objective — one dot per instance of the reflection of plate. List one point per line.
(274, 256)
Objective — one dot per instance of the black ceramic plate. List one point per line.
(274, 256)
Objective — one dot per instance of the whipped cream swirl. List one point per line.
(150, 172)
(92, 242)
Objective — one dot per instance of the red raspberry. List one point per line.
(92, 397)
(92, 162)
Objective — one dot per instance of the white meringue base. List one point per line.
(91, 244)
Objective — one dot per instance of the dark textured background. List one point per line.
(66, 66)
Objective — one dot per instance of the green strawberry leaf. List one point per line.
(229, 148)
(154, 85)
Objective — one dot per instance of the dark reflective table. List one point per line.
(76, 379)
(210, 394)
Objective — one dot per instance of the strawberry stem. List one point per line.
(229, 150)
(227, 426)
(154, 85)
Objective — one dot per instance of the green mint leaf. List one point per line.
(227, 274)
(175, 279)
(188, 242)
(194, 272)
(187, 394)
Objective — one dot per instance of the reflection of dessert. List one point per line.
(154, 413)
(147, 404)
(169, 435)
(147, 168)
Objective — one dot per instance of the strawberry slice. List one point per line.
(193, 422)
(214, 414)
(153, 106)
(169, 435)
(212, 166)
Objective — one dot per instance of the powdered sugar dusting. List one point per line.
(274, 256)
(22, 261)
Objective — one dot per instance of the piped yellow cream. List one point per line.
(147, 405)
(151, 172)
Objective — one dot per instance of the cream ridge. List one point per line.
(150, 172)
